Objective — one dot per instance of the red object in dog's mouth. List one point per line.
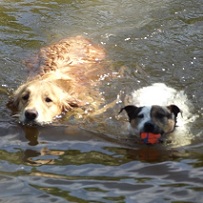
(150, 138)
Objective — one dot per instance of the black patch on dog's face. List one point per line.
(175, 110)
(132, 111)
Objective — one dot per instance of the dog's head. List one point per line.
(152, 119)
(41, 101)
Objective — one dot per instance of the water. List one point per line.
(153, 41)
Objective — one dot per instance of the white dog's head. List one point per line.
(152, 105)
(152, 120)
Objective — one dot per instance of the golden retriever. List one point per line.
(63, 76)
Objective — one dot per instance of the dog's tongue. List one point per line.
(150, 138)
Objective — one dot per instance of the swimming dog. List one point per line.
(157, 111)
(65, 76)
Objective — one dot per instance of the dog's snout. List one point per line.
(31, 114)
(149, 127)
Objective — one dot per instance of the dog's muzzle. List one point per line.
(31, 114)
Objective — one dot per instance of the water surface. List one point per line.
(153, 41)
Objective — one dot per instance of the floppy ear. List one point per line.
(11, 104)
(70, 102)
(174, 109)
(131, 110)
(68, 98)
(15, 97)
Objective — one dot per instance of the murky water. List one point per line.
(156, 41)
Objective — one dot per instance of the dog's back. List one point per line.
(65, 54)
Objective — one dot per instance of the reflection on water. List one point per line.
(95, 160)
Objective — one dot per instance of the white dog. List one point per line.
(158, 111)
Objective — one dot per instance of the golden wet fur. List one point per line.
(63, 76)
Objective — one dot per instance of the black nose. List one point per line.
(149, 127)
(31, 114)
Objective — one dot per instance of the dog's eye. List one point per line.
(25, 97)
(47, 99)
(160, 115)
(140, 116)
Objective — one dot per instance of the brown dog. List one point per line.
(65, 79)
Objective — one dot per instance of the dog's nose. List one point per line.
(31, 114)
(149, 127)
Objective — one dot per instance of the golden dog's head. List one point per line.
(41, 101)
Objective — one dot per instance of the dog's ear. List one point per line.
(15, 96)
(11, 104)
(174, 109)
(131, 110)
(68, 102)
(68, 98)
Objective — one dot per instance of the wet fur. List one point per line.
(62, 77)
